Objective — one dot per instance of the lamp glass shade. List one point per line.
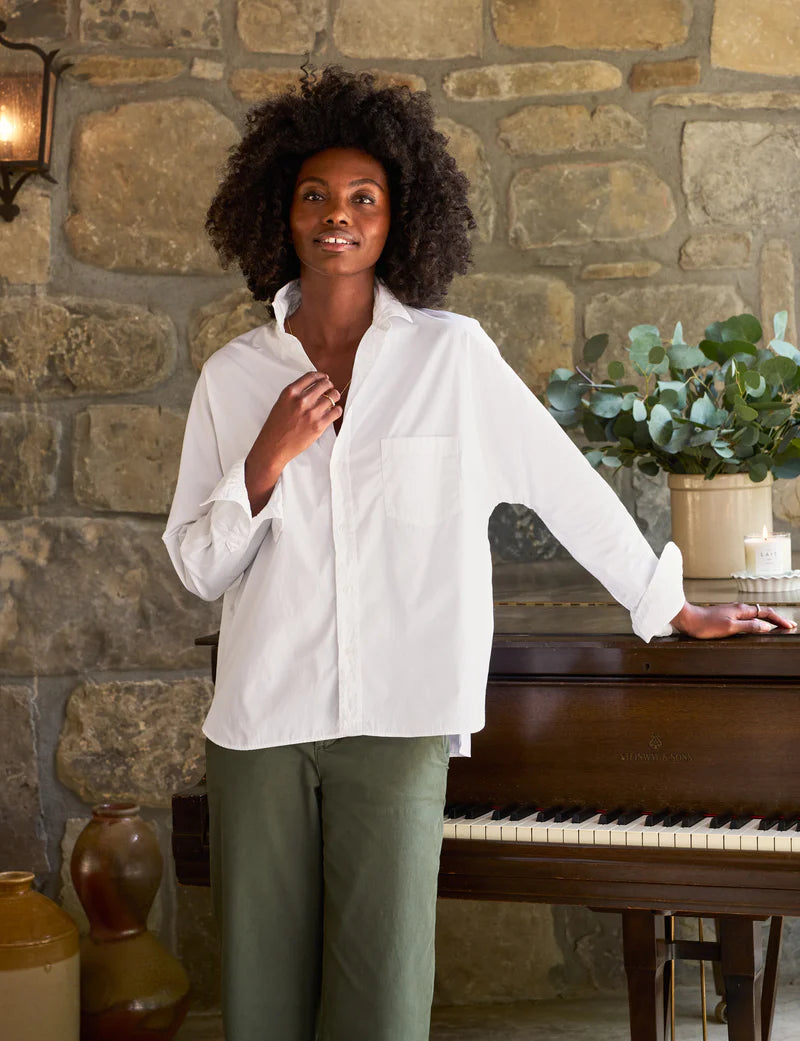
(25, 88)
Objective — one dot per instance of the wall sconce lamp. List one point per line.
(27, 98)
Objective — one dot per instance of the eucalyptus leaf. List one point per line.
(595, 457)
(788, 470)
(669, 398)
(741, 327)
(567, 418)
(594, 428)
(757, 470)
(785, 350)
(565, 395)
(606, 405)
(723, 450)
(624, 426)
(561, 374)
(743, 411)
(611, 460)
(628, 400)
(660, 424)
(594, 347)
(779, 320)
(677, 336)
(656, 355)
(714, 332)
(649, 467)
(778, 369)
(683, 357)
(639, 410)
(755, 383)
(616, 370)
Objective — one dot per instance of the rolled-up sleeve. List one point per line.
(211, 534)
(529, 459)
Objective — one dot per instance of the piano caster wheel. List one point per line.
(721, 1012)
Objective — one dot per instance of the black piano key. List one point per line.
(655, 818)
(609, 816)
(566, 814)
(583, 815)
(720, 820)
(787, 822)
(691, 819)
(478, 811)
(504, 812)
(768, 823)
(629, 816)
(549, 813)
(524, 811)
(673, 818)
(456, 809)
(739, 822)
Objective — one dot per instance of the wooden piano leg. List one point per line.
(643, 948)
(770, 984)
(742, 968)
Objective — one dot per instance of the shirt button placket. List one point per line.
(346, 606)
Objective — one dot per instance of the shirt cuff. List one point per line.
(663, 598)
(230, 508)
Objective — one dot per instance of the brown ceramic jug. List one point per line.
(132, 989)
(38, 964)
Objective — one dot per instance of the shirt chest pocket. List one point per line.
(421, 479)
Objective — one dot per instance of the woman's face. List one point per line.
(340, 212)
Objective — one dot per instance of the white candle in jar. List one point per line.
(769, 553)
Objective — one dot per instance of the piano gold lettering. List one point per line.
(655, 757)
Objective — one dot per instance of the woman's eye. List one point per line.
(312, 196)
(364, 198)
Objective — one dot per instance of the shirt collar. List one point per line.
(386, 305)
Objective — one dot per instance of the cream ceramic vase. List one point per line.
(711, 518)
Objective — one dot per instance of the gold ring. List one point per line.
(758, 610)
(333, 403)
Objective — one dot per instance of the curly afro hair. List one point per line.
(428, 242)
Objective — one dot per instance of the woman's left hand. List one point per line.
(708, 623)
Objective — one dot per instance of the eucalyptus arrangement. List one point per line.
(723, 406)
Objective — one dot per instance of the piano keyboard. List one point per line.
(557, 825)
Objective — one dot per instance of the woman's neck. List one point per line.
(334, 313)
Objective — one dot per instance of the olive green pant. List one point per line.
(324, 865)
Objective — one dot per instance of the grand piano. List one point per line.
(651, 780)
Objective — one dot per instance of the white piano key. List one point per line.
(749, 834)
(795, 840)
(449, 831)
(634, 832)
(519, 831)
(477, 827)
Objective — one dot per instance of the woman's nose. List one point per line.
(338, 214)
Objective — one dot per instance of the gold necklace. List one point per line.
(342, 392)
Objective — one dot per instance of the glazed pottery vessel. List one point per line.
(39, 984)
(132, 988)
(711, 518)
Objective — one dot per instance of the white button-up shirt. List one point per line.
(359, 599)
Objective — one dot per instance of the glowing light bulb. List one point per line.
(6, 126)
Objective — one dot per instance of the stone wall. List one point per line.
(631, 161)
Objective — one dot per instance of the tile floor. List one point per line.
(602, 1019)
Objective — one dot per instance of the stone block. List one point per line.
(696, 306)
(762, 37)
(718, 250)
(152, 23)
(126, 457)
(67, 896)
(138, 205)
(571, 203)
(220, 321)
(466, 147)
(22, 840)
(621, 269)
(198, 945)
(280, 26)
(777, 287)
(786, 501)
(489, 951)
(29, 448)
(25, 243)
(740, 173)
(207, 69)
(505, 82)
(110, 70)
(45, 19)
(616, 25)
(62, 346)
(408, 30)
(782, 100)
(81, 593)
(254, 85)
(654, 75)
(545, 129)
(530, 317)
(114, 746)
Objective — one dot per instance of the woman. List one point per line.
(338, 472)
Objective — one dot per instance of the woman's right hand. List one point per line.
(298, 418)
